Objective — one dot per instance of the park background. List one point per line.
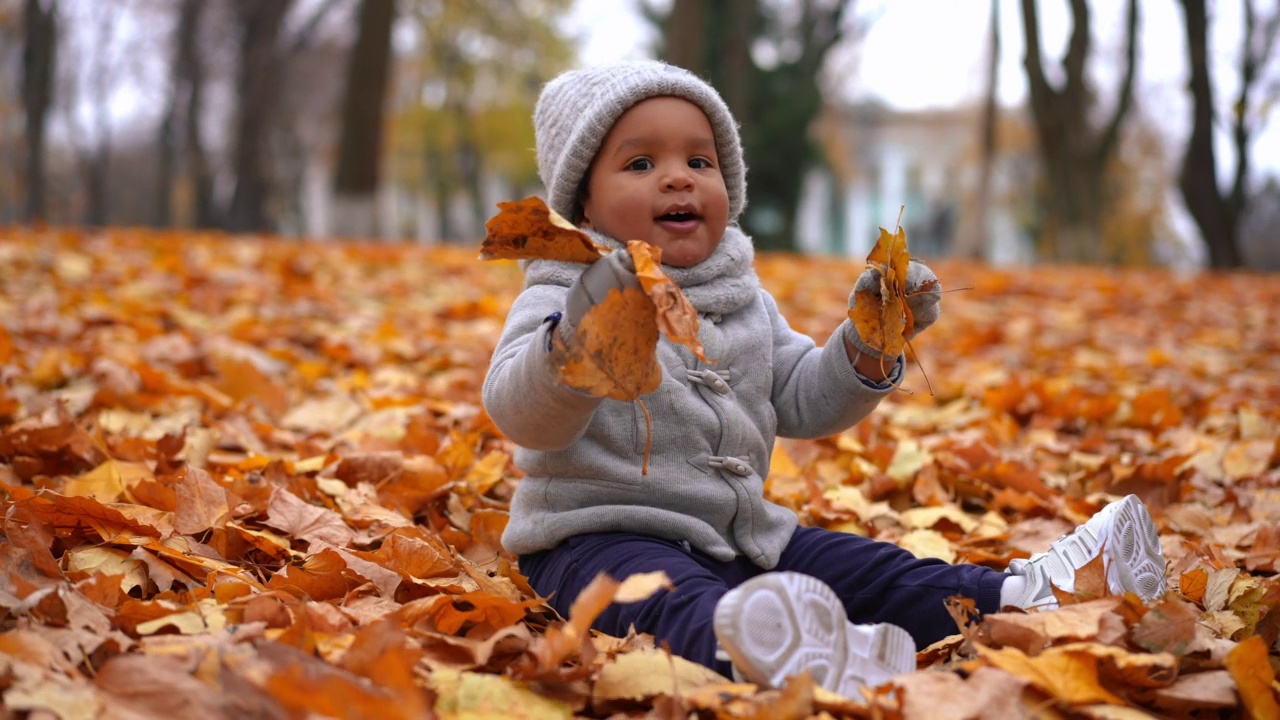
(244, 466)
(1142, 134)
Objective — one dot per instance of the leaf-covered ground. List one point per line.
(252, 478)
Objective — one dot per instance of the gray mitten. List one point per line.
(613, 271)
(923, 290)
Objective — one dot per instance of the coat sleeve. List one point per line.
(522, 391)
(816, 391)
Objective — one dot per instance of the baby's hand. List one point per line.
(613, 271)
(923, 290)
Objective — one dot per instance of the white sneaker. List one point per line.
(782, 624)
(1131, 557)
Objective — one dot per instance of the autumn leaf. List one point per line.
(677, 318)
(528, 229)
(613, 352)
(1248, 665)
(883, 317)
(152, 417)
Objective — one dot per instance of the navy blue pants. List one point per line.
(877, 581)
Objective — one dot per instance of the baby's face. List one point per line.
(657, 178)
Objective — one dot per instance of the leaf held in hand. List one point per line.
(677, 318)
(614, 351)
(882, 318)
(528, 229)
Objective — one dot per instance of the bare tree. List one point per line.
(972, 242)
(360, 143)
(181, 148)
(1075, 152)
(1217, 215)
(257, 84)
(40, 33)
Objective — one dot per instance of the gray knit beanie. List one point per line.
(577, 109)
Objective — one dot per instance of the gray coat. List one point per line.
(713, 423)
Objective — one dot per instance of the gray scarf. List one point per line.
(722, 283)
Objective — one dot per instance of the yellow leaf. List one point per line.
(928, 544)
(476, 696)
(109, 481)
(99, 560)
(641, 586)
(647, 672)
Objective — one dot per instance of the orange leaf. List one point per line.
(528, 229)
(613, 354)
(677, 318)
(883, 321)
(1249, 667)
(1193, 583)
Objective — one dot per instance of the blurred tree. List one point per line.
(1219, 217)
(1261, 227)
(180, 130)
(360, 144)
(971, 241)
(766, 58)
(1075, 152)
(40, 33)
(257, 83)
(480, 65)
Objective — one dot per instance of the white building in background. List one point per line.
(881, 160)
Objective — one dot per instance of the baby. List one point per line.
(647, 151)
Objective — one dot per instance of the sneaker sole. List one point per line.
(782, 624)
(1134, 557)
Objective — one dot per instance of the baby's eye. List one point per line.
(700, 163)
(640, 164)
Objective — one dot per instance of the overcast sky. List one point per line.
(930, 53)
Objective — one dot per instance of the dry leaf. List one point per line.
(167, 352)
(677, 318)
(613, 354)
(881, 318)
(1249, 667)
(528, 229)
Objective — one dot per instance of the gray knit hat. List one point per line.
(577, 109)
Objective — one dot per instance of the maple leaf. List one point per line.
(677, 318)
(528, 229)
(882, 318)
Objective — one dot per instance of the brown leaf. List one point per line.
(677, 318)
(986, 694)
(882, 318)
(1172, 626)
(202, 503)
(1033, 632)
(1209, 690)
(528, 229)
(160, 687)
(291, 514)
(613, 352)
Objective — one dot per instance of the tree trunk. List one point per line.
(685, 36)
(1198, 180)
(1075, 155)
(1220, 217)
(256, 88)
(38, 61)
(972, 241)
(181, 111)
(360, 146)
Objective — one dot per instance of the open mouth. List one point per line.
(677, 217)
